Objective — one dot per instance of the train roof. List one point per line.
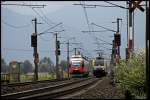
(76, 56)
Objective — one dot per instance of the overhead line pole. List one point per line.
(35, 54)
(57, 59)
(130, 41)
(118, 33)
(147, 51)
(68, 58)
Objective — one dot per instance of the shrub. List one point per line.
(131, 75)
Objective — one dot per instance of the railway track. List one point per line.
(28, 83)
(52, 91)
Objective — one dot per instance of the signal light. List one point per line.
(58, 44)
(58, 52)
(34, 40)
(117, 39)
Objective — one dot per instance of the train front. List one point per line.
(99, 68)
(76, 67)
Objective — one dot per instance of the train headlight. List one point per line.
(14, 66)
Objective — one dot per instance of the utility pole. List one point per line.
(117, 41)
(112, 61)
(75, 49)
(57, 59)
(68, 57)
(130, 41)
(114, 53)
(118, 33)
(35, 54)
(147, 51)
(68, 44)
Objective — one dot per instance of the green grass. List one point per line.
(25, 77)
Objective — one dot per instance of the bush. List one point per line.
(131, 76)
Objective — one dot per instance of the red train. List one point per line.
(79, 66)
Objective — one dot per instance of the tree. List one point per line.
(4, 66)
(46, 65)
(63, 64)
(26, 67)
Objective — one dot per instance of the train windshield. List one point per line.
(76, 64)
(99, 62)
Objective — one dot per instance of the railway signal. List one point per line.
(35, 54)
(57, 53)
(34, 40)
(58, 44)
(117, 39)
(58, 47)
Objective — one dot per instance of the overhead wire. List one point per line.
(103, 27)
(42, 18)
(27, 50)
(45, 16)
(13, 26)
(86, 16)
(116, 5)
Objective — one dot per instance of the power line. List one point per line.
(86, 16)
(24, 5)
(46, 17)
(96, 31)
(88, 22)
(27, 50)
(104, 27)
(103, 41)
(39, 14)
(45, 39)
(10, 25)
(49, 29)
(93, 6)
(116, 5)
(41, 17)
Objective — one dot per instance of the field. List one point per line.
(30, 76)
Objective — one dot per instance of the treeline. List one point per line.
(45, 65)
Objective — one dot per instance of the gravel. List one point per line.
(7, 90)
(103, 90)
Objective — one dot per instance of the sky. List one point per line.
(17, 27)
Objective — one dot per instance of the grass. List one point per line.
(25, 77)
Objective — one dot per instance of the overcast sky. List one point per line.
(17, 27)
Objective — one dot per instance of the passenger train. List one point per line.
(79, 66)
(99, 66)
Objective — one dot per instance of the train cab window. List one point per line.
(101, 63)
(76, 64)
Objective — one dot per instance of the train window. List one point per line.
(99, 62)
(76, 64)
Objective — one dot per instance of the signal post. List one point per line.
(35, 54)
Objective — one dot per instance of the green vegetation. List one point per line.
(131, 75)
